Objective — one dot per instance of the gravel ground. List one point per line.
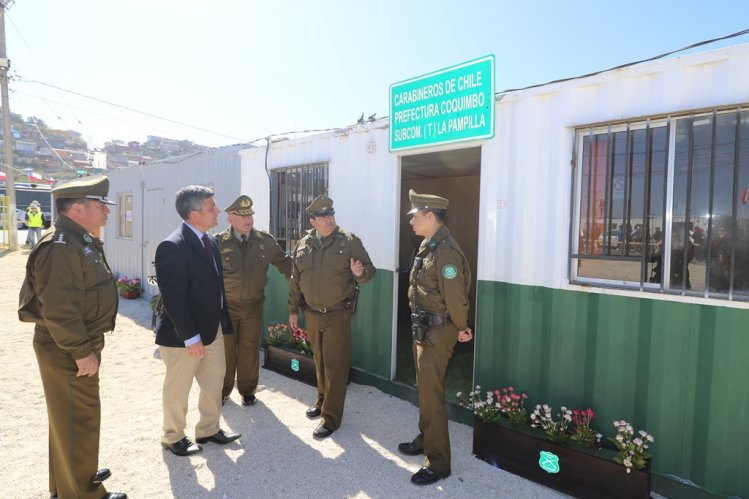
(276, 457)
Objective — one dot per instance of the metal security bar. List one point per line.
(663, 205)
(292, 190)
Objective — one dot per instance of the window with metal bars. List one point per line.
(292, 190)
(662, 205)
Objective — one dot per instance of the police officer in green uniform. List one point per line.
(70, 294)
(246, 254)
(439, 282)
(329, 264)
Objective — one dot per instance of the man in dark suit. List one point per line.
(190, 329)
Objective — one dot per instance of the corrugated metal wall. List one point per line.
(372, 338)
(677, 370)
(153, 187)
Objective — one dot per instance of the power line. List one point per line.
(33, 54)
(106, 116)
(144, 113)
(41, 134)
(656, 57)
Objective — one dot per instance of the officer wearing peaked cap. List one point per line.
(329, 264)
(246, 254)
(322, 206)
(439, 282)
(95, 188)
(426, 202)
(67, 273)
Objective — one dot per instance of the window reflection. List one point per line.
(622, 236)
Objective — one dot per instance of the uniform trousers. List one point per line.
(330, 336)
(243, 352)
(209, 372)
(431, 357)
(74, 413)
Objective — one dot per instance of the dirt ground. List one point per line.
(276, 457)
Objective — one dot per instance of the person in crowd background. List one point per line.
(34, 221)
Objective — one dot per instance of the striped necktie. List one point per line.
(209, 251)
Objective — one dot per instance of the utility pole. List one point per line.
(10, 183)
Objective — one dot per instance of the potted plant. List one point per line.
(562, 452)
(129, 288)
(289, 353)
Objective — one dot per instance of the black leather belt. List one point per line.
(341, 305)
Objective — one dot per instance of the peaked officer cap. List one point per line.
(322, 206)
(426, 202)
(84, 188)
(242, 206)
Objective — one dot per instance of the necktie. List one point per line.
(244, 240)
(208, 251)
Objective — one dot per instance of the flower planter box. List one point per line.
(130, 294)
(582, 472)
(290, 363)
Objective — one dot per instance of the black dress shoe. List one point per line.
(410, 449)
(182, 448)
(114, 495)
(249, 400)
(313, 412)
(322, 431)
(426, 475)
(219, 438)
(101, 475)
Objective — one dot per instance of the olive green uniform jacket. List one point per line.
(70, 293)
(69, 289)
(246, 269)
(321, 272)
(443, 284)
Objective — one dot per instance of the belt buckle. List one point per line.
(323, 310)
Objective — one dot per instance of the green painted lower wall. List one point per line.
(372, 326)
(678, 370)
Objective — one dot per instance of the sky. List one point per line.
(220, 72)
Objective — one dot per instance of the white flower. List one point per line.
(459, 394)
(637, 441)
(619, 438)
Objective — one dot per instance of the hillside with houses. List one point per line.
(45, 154)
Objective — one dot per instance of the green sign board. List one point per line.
(454, 104)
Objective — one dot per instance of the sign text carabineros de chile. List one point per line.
(450, 105)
